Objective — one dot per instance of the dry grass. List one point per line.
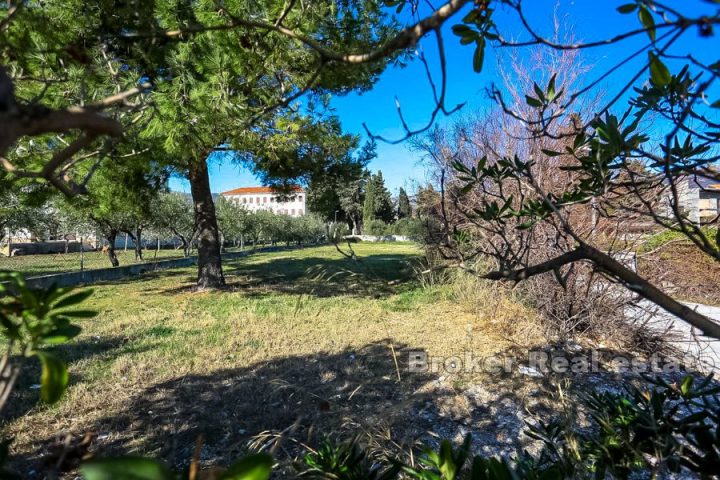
(684, 271)
(302, 346)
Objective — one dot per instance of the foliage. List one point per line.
(239, 224)
(378, 202)
(404, 208)
(375, 227)
(329, 192)
(344, 461)
(544, 196)
(19, 212)
(352, 199)
(252, 467)
(414, 228)
(32, 319)
(173, 214)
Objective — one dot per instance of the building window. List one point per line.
(244, 200)
(300, 212)
(292, 212)
(300, 198)
(264, 199)
(258, 199)
(250, 199)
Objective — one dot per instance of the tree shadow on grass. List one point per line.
(372, 276)
(286, 404)
(282, 406)
(26, 394)
(291, 400)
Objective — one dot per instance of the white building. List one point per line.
(265, 198)
(698, 197)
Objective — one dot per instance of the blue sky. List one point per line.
(401, 167)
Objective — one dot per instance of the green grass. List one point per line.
(33, 265)
(162, 362)
(657, 240)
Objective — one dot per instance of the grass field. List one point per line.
(304, 343)
(33, 265)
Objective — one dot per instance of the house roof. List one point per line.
(251, 190)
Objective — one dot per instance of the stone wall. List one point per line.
(88, 277)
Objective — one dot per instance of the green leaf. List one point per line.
(253, 467)
(551, 153)
(73, 299)
(125, 468)
(627, 8)
(479, 56)
(462, 30)
(54, 377)
(62, 335)
(538, 91)
(550, 93)
(659, 73)
(533, 102)
(686, 385)
(647, 21)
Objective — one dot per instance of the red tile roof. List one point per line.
(249, 190)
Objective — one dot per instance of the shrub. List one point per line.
(408, 227)
(376, 227)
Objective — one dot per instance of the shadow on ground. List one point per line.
(289, 403)
(283, 405)
(370, 276)
(25, 395)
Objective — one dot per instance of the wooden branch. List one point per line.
(406, 38)
(617, 271)
(547, 266)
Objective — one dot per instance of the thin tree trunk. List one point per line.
(112, 235)
(185, 243)
(210, 274)
(138, 244)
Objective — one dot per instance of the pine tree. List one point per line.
(404, 208)
(370, 203)
(378, 203)
(216, 92)
(384, 209)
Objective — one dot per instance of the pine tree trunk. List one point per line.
(210, 274)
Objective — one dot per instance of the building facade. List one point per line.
(698, 197)
(265, 198)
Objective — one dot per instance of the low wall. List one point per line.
(379, 238)
(87, 277)
(40, 248)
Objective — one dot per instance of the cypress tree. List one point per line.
(404, 208)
